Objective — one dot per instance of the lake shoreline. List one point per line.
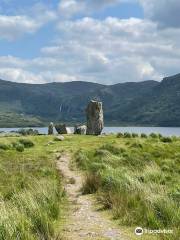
(165, 131)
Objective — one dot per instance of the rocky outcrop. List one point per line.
(81, 130)
(61, 128)
(95, 121)
(51, 129)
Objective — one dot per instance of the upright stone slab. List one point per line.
(51, 129)
(95, 121)
(81, 130)
(68, 130)
(61, 128)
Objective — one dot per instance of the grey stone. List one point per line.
(95, 119)
(68, 130)
(61, 128)
(59, 138)
(51, 129)
(81, 130)
(51, 143)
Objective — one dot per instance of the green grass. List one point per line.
(30, 191)
(137, 178)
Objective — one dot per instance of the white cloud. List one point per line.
(11, 61)
(115, 50)
(42, 13)
(14, 26)
(164, 12)
(104, 51)
(19, 75)
(69, 8)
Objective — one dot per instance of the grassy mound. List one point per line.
(138, 179)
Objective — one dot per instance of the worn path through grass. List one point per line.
(84, 221)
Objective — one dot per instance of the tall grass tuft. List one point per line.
(138, 182)
(31, 214)
(26, 142)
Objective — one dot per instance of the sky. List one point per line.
(103, 41)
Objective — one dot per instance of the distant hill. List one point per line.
(142, 103)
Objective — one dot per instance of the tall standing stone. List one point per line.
(95, 121)
(51, 129)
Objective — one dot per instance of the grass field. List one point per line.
(135, 178)
(30, 189)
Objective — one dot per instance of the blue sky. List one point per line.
(28, 46)
(122, 10)
(45, 35)
(105, 41)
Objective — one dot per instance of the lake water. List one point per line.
(165, 131)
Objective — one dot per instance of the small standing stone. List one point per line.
(81, 130)
(61, 128)
(68, 130)
(95, 119)
(51, 129)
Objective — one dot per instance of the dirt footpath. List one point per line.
(84, 222)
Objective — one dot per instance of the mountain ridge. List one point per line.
(148, 102)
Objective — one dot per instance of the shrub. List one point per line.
(154, 135)
(4, 146)
(27, 143)
(135, 135)
(127, 135)
(137, 145)
(19, 147)
(143, 135)
(119, 135)
(166, 139)
(26, 132)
